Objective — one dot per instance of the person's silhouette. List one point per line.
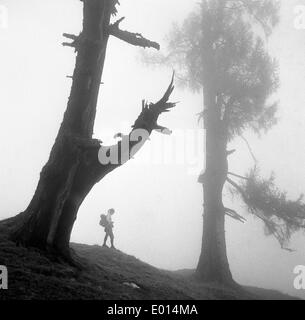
(108, 228)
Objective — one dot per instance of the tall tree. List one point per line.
(221, 50)
(77, 162)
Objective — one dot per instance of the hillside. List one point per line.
(109, 274)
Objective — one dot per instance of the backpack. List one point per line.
(103, 221)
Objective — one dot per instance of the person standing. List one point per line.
(109, 228)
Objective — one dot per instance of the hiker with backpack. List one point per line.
(107, 223)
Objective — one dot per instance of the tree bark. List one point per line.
(213, 263)
(73, 167)
(57, 193)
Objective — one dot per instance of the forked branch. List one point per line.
(130, 144)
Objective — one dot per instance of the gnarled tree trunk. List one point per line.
(57, 194)
(73, 167)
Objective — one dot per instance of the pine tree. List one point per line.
(221, 49)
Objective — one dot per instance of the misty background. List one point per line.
(156, 196)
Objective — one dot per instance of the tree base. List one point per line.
(221, 279)
(69, 257)
(64, 255)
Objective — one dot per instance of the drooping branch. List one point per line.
(270, 225)
(249, 148)
(281, 216)
(135, 39)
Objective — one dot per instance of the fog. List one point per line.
(156, 196)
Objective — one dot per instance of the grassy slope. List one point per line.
(34, 276)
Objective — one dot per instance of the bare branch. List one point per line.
(237, 176)
(130, 144)
(233, 214)
(73, 37)
(117, 23)
(249, 148)
(229, 152)
(238, 188)
(135, 39)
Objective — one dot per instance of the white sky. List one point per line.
(159, 205)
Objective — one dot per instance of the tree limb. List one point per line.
(237, 176)
(229, 152)
(233, 214)
(129, 144)
(250, 149)
(238, 188)
(135, 39)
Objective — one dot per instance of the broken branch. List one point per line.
(129, 144)
(135, 39)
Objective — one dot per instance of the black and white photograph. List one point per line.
(152, 151)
